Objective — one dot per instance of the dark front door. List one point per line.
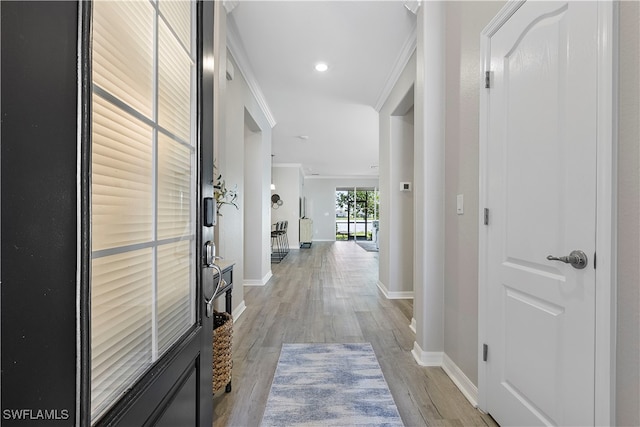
(106, 162)
(151, 167)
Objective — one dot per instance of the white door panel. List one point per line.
(541, 192)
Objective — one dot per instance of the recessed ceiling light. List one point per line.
(322, 67)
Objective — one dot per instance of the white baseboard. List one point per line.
(412, 325)
(466, 386)
(260, 282)
(440, 359)
(394, 295)
(426, 358)
(253, 283)
(267, 277)
(239, 310)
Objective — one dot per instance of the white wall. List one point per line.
(446, 156)
(253, 201)
(247, 140)
(628, 332)
(219, 90)
(428, 272)
(464, 22)
(287, 180)
(230, 154)
(321, 202)
(221, 151)
(265, 209)
(396, 153)
(401, 245)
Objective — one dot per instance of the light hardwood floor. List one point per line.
(328, 293)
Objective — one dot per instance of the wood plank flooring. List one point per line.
(328, 294)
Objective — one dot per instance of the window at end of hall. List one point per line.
(357, 213)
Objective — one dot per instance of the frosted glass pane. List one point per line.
(143, 189)
(174, 85)
(121, 298)
(176, 308)
(178, 15)
(174, 189)
(123, 51)
(121, 178)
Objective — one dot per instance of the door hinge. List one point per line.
(487, 79)
(594, 260)
(485, 352)
(486, 216)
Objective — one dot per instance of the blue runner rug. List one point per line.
(329, 385)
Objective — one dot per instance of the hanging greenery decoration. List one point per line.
(222, 194)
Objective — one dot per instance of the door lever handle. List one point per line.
(210, 255)
(577, 259)
(221, 283)
(209, 301)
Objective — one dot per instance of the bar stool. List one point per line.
(284, 237)
(277, 250)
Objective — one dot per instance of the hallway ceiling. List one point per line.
(326, 122)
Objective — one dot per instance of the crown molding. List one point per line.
(401, 62)
(355, 177)
(244, 66)
(306, 176)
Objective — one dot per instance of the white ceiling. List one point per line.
(365, 43)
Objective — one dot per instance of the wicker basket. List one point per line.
(222, 361)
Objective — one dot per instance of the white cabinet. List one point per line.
(306, 231)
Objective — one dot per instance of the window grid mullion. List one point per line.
(193, 266)
(102, 93)
(154, 203)
(101, 253)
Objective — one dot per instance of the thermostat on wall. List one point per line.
(405, 186)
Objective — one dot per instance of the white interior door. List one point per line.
(541, 192)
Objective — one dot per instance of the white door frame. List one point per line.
(606, 175)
